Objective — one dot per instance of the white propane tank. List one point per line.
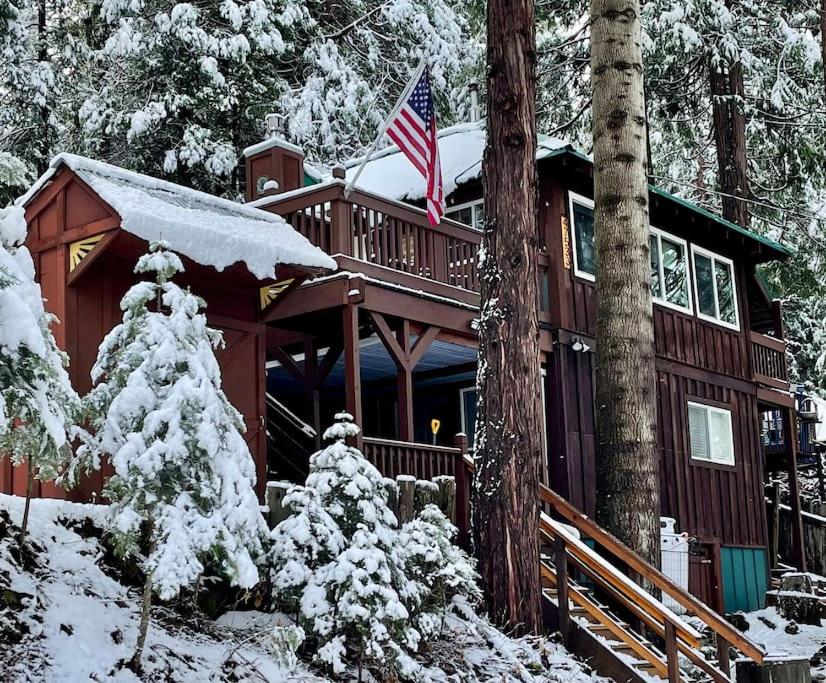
(674, 558)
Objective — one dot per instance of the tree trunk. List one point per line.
(727, 93)
(146, 607)
(508, 447)
(24, 525)
(628, 499)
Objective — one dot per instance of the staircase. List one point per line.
(625, 632)
(290, 441)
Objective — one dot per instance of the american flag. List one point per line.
(413, 129)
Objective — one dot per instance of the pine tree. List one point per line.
(179, 89)
(37, 402)
(183, 475)
(336, 562)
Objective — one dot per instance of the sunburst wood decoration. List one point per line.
(271, 292)
(80, 249)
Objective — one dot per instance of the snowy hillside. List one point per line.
(67, 616)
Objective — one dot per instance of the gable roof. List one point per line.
(209, 230)
(461, 149)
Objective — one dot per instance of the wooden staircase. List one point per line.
(625, 632)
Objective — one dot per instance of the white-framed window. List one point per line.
(581, 213)
(471, 213)
(669, 270)
(710, 433)
(715, 287)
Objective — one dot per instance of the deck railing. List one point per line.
(385, 233)
(769, 361)
(391, 234)
(425, 461)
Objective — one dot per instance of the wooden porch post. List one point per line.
(352, 367)
(790, 440)
(311, 403)
(404, 382)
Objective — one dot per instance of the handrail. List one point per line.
(407, 444)
(602, 571)
(635, 563)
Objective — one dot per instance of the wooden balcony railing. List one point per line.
(391, 234)
(769, 361)
(384, 232)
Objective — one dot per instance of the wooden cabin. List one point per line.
(89, 223)
(385, 328)
(390, 336)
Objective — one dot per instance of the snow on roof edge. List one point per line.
(270, 142)
(259, 239)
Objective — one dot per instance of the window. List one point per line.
(709, 434)
(669, 270)
(472, 214)
(582, 227)
(716, 291)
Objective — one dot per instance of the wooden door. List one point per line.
(243, 370)
(703, 573)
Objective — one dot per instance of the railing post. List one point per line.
(561, 566)
(722, 655)
(341, 230)
(462, 489)
(671, 656)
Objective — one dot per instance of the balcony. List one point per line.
(769, 362)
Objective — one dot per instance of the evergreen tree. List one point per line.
(183, 475)
(336, 562)
(37, 402)
(179, 89)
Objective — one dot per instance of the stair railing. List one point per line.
(725, 633)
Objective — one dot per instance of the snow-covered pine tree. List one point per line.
(37, 401)
(183, 475)
(337, 565)
(432, 560)
(180, 89)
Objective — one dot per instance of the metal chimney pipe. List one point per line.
(473, 89)
(273, 126)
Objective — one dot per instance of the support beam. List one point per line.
(790, 439)
(404, 383)
(352, 366)
(405, 358)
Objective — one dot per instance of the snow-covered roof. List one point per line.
(461, 148)
(209, 230)
(269, 143)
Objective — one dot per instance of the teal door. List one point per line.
(745, 578)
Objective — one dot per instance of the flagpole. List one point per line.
(415, 79)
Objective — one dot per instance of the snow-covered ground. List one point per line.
(67, 616)
(768, 628)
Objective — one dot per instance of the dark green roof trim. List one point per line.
(780, 251)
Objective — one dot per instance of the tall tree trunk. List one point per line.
(508, 447)
(628, 498)
(44, 109)
(146, 610)
(728, 94)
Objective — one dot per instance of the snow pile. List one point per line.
(37, 402)
(67, 617)
(781, 637)
(211, 231)
(182, 470)
(461, 148)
